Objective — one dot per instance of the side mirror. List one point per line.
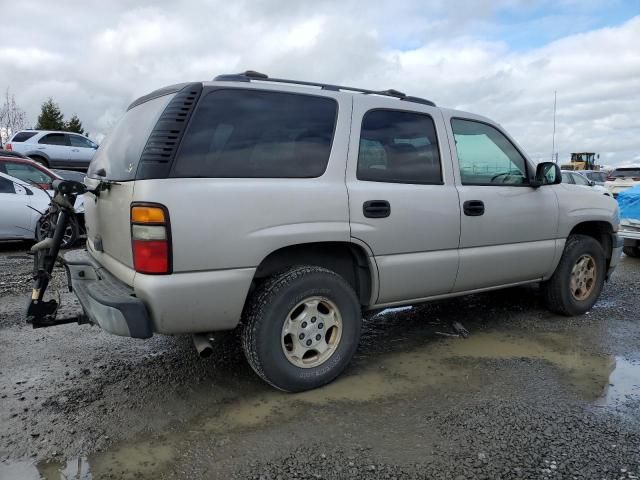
(547, 173)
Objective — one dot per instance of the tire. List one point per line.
(558, 292)
(42, 161)
(631, 251)
(275, 305)
(70, 237)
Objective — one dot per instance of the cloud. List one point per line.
(94, 60)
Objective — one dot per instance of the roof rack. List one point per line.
(251, 75)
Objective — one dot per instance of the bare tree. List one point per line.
(12, 117)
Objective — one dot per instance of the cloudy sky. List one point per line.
(501, 58)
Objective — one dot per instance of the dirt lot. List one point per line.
(527, 395)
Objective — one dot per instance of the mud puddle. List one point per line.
(443, 364)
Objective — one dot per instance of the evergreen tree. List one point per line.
(50, 117)
(74, 125)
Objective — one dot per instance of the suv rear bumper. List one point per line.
(106, 300)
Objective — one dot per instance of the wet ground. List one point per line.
(527, 395)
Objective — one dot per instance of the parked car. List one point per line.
(577, 178)
(54, 149)
(621, 179)
(21, 206)
(41, 177)
(629, 202)
(289, 207)
(597, 176)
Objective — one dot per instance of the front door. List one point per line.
(81, 152)
(402, 200)
(508, 228)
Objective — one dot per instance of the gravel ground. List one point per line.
(527, 395)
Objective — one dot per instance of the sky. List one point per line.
(503, 59)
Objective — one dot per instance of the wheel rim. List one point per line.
(67, 236)
(311, 332)
(583, 277)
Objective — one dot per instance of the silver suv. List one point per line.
(287, 208)
(54, 149)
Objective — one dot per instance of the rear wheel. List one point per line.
(42, 161)
(577, 282)
(301, 328)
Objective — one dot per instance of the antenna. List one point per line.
(553, 141)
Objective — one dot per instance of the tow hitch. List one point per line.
(41, 313)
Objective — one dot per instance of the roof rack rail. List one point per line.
(251, 75)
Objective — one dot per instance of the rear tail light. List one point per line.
(8, 146)
(635, 179)
(150, 238)
(610, 179)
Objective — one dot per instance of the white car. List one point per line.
(577, 178)
(621, 179)
(54, 149)
(21, 206)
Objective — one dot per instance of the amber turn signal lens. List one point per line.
(147, 215)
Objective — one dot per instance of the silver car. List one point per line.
(287, 208)
(54, 149)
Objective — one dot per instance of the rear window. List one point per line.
(258, 134)
(22, 136)
(119, 154)
(626, 172)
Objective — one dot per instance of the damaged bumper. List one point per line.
(107, 301)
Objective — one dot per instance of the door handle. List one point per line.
(473, 208)
(376, 209)
(75, 150)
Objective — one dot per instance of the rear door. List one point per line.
(402, 200)
(15, 214)
(508, 228)
(56, 146)
(107, 216)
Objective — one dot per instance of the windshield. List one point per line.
(120, 151)
(626, 172)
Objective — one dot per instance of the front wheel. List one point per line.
(301, 328)
(71, 232)
(579, 277)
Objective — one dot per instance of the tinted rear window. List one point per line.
(119, 153)
(22, 136)
(258, 134)
(626, 172)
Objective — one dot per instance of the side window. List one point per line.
(6, 186)
(78, 141)
(398, 147)
(486, 156)
(566, 178)
(258, 134)
(22, 136)
(27, 173)
(54, 139)
(579, 179)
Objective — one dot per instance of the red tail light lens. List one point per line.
(151, 256)
(636, 179)
(610, 179)
(8, 146)
(150, 239)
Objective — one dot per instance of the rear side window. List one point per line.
(119, 153)
(22, 136)
(398, 147)
(54, 139)
(258, 134)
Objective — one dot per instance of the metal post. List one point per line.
(553, 144)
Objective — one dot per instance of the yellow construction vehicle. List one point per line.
(582, 161)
